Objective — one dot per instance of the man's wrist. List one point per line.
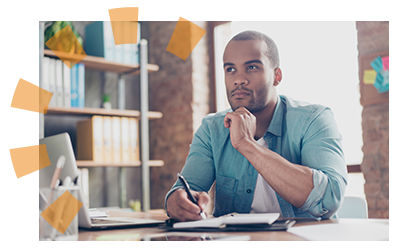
(244, 145)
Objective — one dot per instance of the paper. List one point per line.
(97, 214)
(268, 218)
(119, 237)
(343, 232)
(369, 76)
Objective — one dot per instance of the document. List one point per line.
(343, 232)
(230, 219)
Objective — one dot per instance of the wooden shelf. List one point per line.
(100, 111)
(84, 164)
(99, 63)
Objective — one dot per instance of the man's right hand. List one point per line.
(181, 208)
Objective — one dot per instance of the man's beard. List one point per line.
(253, 105)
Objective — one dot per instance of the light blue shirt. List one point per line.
(304, 134)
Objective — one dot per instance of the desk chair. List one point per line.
(353, 207)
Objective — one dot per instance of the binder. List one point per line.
(67, 85)
(58, 82)
(125, 156)
(74, 86)
(118, 49)
(81, 85)
(116, 139)
(134, 139)
(90, 139)
(107, 134)
(45, 74)
(100, 40)
(52, 82)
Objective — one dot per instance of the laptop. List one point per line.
(61, 145)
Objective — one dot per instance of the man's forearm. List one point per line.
(291, 181)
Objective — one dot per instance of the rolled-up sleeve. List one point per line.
(199, 166)
(322, 152)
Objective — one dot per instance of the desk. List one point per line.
(89, 235)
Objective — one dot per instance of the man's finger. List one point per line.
(227, 120)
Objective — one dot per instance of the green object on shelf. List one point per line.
(56, 26)
(106, 98)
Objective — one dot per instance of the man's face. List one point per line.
(249, 76)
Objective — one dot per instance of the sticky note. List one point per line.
(369, 76)
(385, 62)
(185, 38)
(376, 64)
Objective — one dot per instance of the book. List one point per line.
(131, 51)
(52, 82)
(81, 85)
(67, 85)
(107, 135)
(59, 84)
(116, 139)
(125, 156)
(74, 86)
(134, 139)
(100, 40)
(45, 74)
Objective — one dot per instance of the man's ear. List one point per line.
(278, 76)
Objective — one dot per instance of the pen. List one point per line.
(187, 189)
(57, 171)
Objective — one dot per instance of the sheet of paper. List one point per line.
(343, 232)
(369, 76)
(97, 214)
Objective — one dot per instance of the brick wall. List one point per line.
(180, 91)
(373, 40)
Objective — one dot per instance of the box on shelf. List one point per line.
(90, 139)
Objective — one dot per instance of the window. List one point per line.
(319, 65)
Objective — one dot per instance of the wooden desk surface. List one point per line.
(91, 235)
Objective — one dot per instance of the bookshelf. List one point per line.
(144, 115)
(101, 64)
(101, 111)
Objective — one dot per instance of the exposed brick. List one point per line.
(173, 91)
(372, 189)
(373, 38)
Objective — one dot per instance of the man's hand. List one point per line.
(181, 208)
(242, 125)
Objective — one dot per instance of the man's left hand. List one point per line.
(242, 125)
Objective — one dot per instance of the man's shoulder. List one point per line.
(294, 107)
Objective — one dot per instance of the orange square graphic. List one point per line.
(185, 38)
(66, 46)
(30, 97)
(62, 211)
(124, 14)
(124, 23)
(27, 160)
(124, 32)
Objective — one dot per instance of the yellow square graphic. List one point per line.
(124, 23)
(62, 211)
(66, 46)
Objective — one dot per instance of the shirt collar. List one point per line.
(275, 127)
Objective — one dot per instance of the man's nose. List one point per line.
(241, 80)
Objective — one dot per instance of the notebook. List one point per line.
(233, 222)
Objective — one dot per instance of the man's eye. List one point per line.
(230, 69)
(251, 67)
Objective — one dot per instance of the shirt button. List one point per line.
(248, 191)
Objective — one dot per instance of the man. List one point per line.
(270, 153)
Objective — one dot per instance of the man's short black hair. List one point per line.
(272, 52)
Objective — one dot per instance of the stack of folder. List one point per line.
(100, 42)
(108, 139)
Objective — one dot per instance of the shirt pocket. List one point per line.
(225, 192)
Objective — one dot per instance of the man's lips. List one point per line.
(240, 94)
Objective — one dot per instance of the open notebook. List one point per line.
(230, 219)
